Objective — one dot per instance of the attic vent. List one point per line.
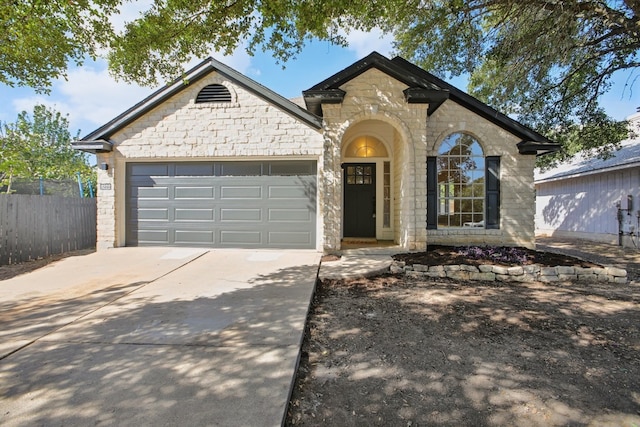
(213, 93)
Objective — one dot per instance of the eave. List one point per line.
(434, 97)
(93, 146)
(315, 98)
(537, 148)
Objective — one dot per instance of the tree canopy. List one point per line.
(545, 61)
(39, 146)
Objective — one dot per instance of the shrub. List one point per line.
(495, 253)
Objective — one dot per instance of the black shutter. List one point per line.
(432, 193)
(492, 196)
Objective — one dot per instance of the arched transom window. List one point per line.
(366, 146)
(461, 182)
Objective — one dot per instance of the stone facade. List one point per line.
(257, 126)
(248, 128)
(375, 97)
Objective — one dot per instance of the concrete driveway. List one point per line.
(154, 336)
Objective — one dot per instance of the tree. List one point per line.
(39, 147)
(545, 61)
(39, 39)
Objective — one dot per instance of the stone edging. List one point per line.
(527, 273)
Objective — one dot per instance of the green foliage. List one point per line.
(40, 38)
(40, 147)
(173, 31)
(545, 61)
(599, 138)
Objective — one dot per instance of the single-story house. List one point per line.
(383, 150)
(591, 198)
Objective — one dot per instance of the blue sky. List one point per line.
(91, 97)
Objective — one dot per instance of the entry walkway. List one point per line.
(154, 336)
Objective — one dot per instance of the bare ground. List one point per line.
(396, 351)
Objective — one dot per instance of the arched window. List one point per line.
(461, 182)
(366, 146)
(213, 93)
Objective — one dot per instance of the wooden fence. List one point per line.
(32, 227)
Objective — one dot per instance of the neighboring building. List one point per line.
(383, 150)
(581, 198)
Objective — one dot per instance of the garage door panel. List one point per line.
(153, 237)
(194, 169)
(198, 215)
(151, 192)
(234, 169)
(289, 168)
(240, 215)
(149, 169)
(289, 215)
(151, 214)
(194, 193)
(240, 192)
(188, 237)
(239, 237)
(290, 238)
(287, 192)
(216, 210)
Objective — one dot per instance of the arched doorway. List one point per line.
(366, 187)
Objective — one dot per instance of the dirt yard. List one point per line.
(394, 351)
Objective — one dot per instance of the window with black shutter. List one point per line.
(463, 186)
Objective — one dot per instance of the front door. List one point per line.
(360, 200)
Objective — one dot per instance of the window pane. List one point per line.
(460, 182)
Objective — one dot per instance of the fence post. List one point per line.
(80, 185)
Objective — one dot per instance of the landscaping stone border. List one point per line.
(527, 273)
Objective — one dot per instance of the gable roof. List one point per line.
(424, 87)
(98, 140)
(627, 156)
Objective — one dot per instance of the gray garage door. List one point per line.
(222, 204)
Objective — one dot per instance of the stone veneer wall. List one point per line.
(248, 128)
(527, 273)
(375, 96)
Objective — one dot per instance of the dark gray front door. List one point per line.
(359, 200)
(222, 204)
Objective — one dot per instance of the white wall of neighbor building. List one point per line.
(584, 205)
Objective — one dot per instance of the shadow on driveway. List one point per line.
(212, 351)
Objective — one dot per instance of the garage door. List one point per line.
(222, 204)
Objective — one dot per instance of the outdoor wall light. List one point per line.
(104, 166)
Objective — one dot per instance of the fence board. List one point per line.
(33, 227)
